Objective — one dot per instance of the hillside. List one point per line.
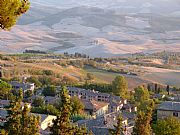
(117, 27)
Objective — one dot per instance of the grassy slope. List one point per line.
(107, 77)
(101, 76)
(169, 78)
(48, 65)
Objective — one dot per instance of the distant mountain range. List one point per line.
(101, 28)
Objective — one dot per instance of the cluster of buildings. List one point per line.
(103, 107)
(101, 103)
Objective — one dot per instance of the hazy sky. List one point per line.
(157, 6)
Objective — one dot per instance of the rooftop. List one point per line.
(169, 106)
(94, 105)
(22, 85)
(110, 119)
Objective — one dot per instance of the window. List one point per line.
(175, 114)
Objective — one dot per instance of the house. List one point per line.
(129, 108)
(88, 94)
(131, 116)
(24, 86)
(95, 108)
(174, 98)
(115, 102)
(159, 96)
(46, 120)
(47, 100)
(94, 95)
(3, 116)
(52, 100)
(114, 106)
(6, 103)
(168, 108)
(32, 98)
(102, 124)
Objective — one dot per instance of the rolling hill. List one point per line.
(101, 28)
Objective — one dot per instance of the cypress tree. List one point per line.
(62, 125)
(142, 123)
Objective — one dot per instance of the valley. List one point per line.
(114, 31)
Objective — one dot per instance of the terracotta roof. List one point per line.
(94, 105)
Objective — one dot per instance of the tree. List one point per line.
(145, 105)
(48, 72)
(77, 105)
(142, 123)
(20, 122)
(39, 101)
(28, 93)
(66, 80)
(80, 130)
(118, 129)
(34, 80)
(167, 126)
(49, 91)
(1, 57)
(156, 87)
(168, 89)
(3, 132)
(4, 89)
(120, 87)
(62, 125)
(46, 109)
(1, 74)
(141, 94)
(90, 76)
(159, 90)
(149, 87)
(10, 11)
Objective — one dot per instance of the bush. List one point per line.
(35, 81)
(37, 102)
(48, 109)
(49, 91)
(48, 72)
(78, 117)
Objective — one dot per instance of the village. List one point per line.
(102, 109)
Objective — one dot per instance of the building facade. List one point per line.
(168, 109)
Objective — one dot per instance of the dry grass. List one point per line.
(20, 67)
